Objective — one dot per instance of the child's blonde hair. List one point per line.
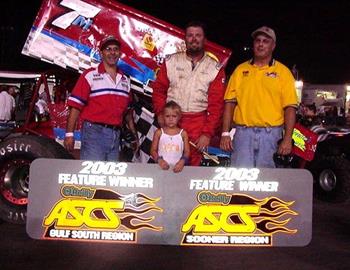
(173, 105)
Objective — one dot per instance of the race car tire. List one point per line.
(16, 155)
(331, 179)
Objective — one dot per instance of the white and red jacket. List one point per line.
(196, 89)
(99, 98)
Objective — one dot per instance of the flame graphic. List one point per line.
(137, 203)
(270, 218)
(138, 199)
(127, 222)
(263, 226)
(143, 211)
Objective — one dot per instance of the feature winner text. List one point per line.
(240, 179)
(117, 236)
(100, 173)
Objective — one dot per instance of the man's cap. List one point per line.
(265, 30)
(107, 41)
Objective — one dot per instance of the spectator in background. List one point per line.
(41, 107)
(7, 102)
(331, 114)
(59, 94)
(310, 110)
(309, 116)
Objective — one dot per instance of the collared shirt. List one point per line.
(261, 93)
(99, 98)
(7, 105)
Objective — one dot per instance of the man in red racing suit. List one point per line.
(195, 80)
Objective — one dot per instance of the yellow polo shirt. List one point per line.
(261, 94)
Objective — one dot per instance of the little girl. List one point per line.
(170, 145)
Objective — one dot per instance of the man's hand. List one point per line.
(69, 143)
(285, 147)
(135, 146)
(226, 143)
(202, 143)
(179, 166)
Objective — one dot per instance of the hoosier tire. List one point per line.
(16, 155)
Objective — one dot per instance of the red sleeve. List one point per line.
(160, 89)
(80, 93)
(215, 109)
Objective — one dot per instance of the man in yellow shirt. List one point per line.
(261, 101)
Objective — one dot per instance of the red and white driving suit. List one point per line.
(199, 90)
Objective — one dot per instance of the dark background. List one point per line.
(313, 35)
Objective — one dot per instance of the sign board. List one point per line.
(142, 204)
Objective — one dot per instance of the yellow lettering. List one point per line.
(202, 220)
(213, 218)
(75, 213)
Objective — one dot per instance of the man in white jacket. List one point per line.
(7, 103)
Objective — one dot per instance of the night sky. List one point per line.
(313, 35)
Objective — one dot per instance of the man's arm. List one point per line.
(160, 89)
(130, 122)
(76, 101)
(215, 108)
(71, 122)
(285, 147)
(129, 118)
(225, 142)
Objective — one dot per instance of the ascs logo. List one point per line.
(99, 214)
(76, 213)
(237, 219)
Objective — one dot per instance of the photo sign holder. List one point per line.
(136, 203)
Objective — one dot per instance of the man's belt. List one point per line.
(244, 126)
(192, 114)
(106, 126)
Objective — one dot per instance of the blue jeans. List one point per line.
(99, 143)
(254, 147)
